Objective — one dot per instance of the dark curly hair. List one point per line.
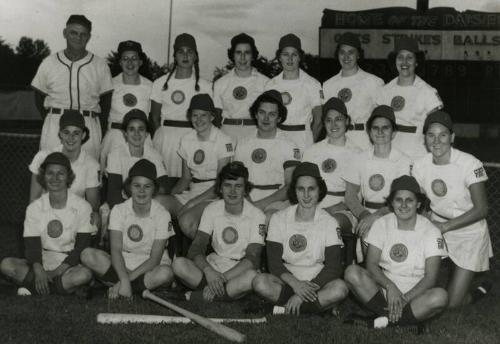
(421, 198)
(232, 171)
(40, 177)
(263, 98)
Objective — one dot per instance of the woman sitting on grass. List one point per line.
(56, 229)
(402, 264)
(236, 229)
(138, 229)
(303, 250)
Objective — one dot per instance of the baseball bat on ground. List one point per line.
(220, 329)
(124, 318)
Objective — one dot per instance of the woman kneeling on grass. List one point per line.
(139, 229)
(56, 229)
(303, 250)
(237, 229)
(402, 264)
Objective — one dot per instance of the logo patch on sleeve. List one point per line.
(479, 172)
(296, 154)
(263, 230)
(229, 147)
(170, 226)
(440, 243)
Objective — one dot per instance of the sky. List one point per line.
(212, 22)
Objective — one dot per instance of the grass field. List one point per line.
(57, 319)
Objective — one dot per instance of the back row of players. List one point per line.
(352, 163)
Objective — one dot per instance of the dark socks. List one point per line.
(311, 307)
(109, 276)
(286, 293)
(378, 304)
(138, 285)
(407, 316)
(481, 291)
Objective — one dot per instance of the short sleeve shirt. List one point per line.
(231, 234)
(128, 97)
(73, 85)
(120, 161)
(57, 228)
(139, 233)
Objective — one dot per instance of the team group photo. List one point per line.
(265, 204)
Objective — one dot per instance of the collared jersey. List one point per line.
(120, 161)
(231, 234)
(128, 97)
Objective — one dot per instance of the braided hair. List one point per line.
(196, 74)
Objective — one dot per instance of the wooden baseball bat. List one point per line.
(123, 318)
(220, 329)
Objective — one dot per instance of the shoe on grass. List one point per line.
(22, 291)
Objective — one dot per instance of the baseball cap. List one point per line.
(306, 168)
(405, 43)
(202, 101)
(290, 40)
(56, 158)
(129, 46)
(71, 117)
(438, 117)
(242, 38)
(350, 39)
(135, 114)
(79, 19)
(383, 111)
(143, 168)
(405, 182)
(274, 96)
(335, 103)
(185, 40)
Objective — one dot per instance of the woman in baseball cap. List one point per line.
(372, 171)
(402, 265)
(455, 183)
(170, 99)
(131, 90)
(411, 97)
(56, 229)
(73, 134)
(355, 87)
(139, 229)
(303, 250)
(302, 94)
(204, 151)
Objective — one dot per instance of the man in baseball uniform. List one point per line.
(235, 92)
(355, 87)
(73, 78)
(56, 229)
(236, 230)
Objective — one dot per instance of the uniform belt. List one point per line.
(59, 111)
(336, 193)
(116, 125)
(267, 187)
(441, 216)
(239, 121)
(356, 126)
(373, 205)
(178, 124)
(196, 180)
(298, 127)
(406, 128)
(47, 250)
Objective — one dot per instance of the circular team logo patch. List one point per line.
(345, 94)
(229, 235)
(134, 233)
(178, 97)
(287, 98)
(399, 253)
(259, 155)
(54, 229)
(239, 93)
(329, 165)
(199, 156)
(398, 103)
(439, 187)
(297, 243)
(129, 100)
(376, 182)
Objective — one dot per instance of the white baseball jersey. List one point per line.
(358, 92)
(411, 105)
(266, 160)
(404, 251)
(304, 243)
(128, 97)
(139, 232)
(231, 234)
(85, 168)
(447, 187)
(333, 162)
(375, 175)
(74, 85)
(57, 228)
(300, 97)
(120, 161)
(174, 105)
